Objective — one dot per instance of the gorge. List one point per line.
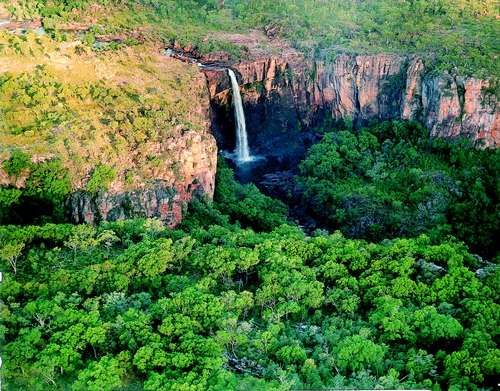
(293, 93)
(287, 100)
(235, 195)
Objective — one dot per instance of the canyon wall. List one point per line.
(285, 96)
(188, 172)
(290, 92)
(185, 165)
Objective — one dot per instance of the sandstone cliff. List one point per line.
(294, 89)
(188, 171)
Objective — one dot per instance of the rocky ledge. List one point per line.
(165, 195)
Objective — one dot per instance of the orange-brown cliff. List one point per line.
(361, 88)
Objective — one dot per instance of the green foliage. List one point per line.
(46, 187)
(356, 353)
(32, 103)
(391, 180)
(185, 22)
(48, 181)
(450, 33)
(134, 304)
(101, 178)
(245, 203)
(17, 163)
(8, 198)
(106, 374)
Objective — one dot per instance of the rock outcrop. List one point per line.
(189, 172)
(185, 166)
(140, 146)
(294, 90)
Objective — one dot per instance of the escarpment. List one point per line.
(132, 140)
(140, 141)
(177, 167)
(186, 168)
(289, 92)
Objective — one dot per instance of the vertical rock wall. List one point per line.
(292, 90)
(163, 196)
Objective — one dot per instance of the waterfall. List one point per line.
(242, 152)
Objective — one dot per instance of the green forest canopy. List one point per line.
(133, 305)
(392, 180)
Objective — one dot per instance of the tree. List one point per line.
(357, 352)
(101, 178)
(106, 374)
(157, 259)
(82, 238)
(10, 252)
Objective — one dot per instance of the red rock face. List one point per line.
(412, 99)
(165, 198)
(362, 88)
(442, 106)
(480, 114)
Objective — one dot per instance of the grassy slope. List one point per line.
(88, 108)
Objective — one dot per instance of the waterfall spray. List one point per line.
(242, 151)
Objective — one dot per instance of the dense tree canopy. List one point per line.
(237, 299)
(191, 311)
(392, 180)
(133, 305)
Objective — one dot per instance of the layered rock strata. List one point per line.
(294, 90)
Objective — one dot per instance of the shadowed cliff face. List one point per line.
(285, 95)
(275, 127)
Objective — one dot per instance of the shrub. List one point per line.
(101, 178)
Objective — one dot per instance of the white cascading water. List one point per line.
(242, 152)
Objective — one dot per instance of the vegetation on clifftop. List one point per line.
(453, 34)
(88, 109)
(459, 34)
